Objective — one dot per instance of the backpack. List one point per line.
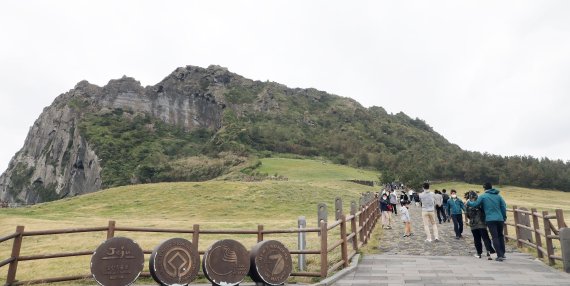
(445, 198)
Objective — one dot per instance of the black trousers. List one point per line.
(482, 234)
(440, 214)
(457, 224)
(496, 230)
(394, 209)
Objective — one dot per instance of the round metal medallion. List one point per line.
(226, 262)
(174, 262)
(270, 263)
(117, 262)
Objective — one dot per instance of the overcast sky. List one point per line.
(490, 76)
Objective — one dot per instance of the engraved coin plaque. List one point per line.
(174, 262)
(226, 262)
(117, 262)
(270, 263)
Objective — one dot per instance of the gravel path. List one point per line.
(392, 242)
(412, 261)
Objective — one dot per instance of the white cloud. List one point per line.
(490, 76)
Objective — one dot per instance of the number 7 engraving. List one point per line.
(279, 264)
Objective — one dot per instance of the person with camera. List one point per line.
(476, 220)
(495, 210)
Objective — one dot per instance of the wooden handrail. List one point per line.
(51, 280)
(335, 267)
(8, 237)
(63, 231)
(366, 219)
(334, 245)
(293, 230)
(335, 224)
(55, 255)
(7, 261)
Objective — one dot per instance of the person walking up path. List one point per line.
(393, 201)
(445, 197)
(476, 219)
(455, 208)
(428, 213)
(392, 242)
(385, 211)
(495, 210)
(406, 219)
(439, 207)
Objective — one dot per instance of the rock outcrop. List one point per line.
(56, 160)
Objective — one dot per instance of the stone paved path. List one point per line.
(412, 261)
(393, 242)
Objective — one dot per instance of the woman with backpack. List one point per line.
(393, 201)
(404, 197)
(476, 218)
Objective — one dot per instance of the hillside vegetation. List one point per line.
(199, 124)
(212, 204)
(265, 118)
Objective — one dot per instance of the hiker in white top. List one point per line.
(406, 218)
(428, 212)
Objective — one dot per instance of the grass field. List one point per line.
(548, 200)
(213, 205)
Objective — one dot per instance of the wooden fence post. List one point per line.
(196, 236)
(537, 237)
(565, 246)
(506, 231)
(547, 232)
(560, 219)
(376, 209)
(353, 228)
(324, 250)
(344, 245)
(260, 233)
(361, 224)
(366, 224)
(517, 230)
(111, 229)
(16, 246)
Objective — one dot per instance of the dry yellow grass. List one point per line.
(215, 205)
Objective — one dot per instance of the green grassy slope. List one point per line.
(516, 196)
(212, 204)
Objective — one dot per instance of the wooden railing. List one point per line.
(355, 231)
(548, 233)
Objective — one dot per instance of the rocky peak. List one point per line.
(57, 161)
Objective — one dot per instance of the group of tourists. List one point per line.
(485, 213)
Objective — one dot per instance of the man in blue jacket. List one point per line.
(495, 210)
(455, 208)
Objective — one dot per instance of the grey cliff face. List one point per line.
(56, 160)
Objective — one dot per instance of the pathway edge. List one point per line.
(337, 276)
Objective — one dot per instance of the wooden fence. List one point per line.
(530, 233)
(355, 231)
